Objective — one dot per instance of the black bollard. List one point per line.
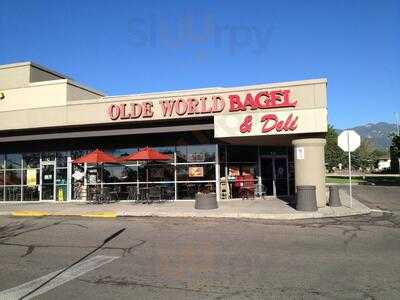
(334, 199)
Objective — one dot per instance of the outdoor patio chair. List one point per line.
(155, 193)
(132, 194)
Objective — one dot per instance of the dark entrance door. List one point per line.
(48, 180)
(274, 175)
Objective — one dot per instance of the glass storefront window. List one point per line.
(239, 169)
(31, 160)
(169, 150)
(61, 176)
(1, 177)
(121, 152)
(189, 190)
(157, 191)
(201, 153)
(62, 157)
(30, 193)
(48, 156)
(1, 193)
(13, 161)
(25, 176)
(78, 153)
(195, 153)
(13, 193)
(13, 177)
(115, 173)
(2, 156)
(197, 172)
(156, 172)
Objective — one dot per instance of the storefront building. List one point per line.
(272, 132)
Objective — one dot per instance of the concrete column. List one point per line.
(309, 162)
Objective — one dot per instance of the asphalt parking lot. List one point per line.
(174, 258)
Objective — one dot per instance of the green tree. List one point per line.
(395, 154)
(333, 154)
(365, 156)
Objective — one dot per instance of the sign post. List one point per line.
(348, 141)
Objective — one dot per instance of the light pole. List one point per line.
(398, 133)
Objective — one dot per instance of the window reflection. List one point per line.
(13, 160)
(195, 153)
(2, 157)
(13, 177)
(31, 160)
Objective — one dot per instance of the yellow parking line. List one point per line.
(100, 214)
(30, 213)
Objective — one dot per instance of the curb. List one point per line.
(33, 213)
(111, 214)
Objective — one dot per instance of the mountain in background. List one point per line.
(377, 133)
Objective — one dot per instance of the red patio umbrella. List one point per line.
(146, 154)
(97, 157)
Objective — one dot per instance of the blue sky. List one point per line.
(123, 47)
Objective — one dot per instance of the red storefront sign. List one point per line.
(203, 105)
(270, 122)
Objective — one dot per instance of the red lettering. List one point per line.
(246, 125)
(203, 107)
(277, 101)
(167, 107)
(124, 115)
(258, 99)
(272, 122)
(218, 104)
(249, 101)
(181, 107)
(136, 110)
(192, 106)
(235, 104)
(114, 112)
(266, 119)
(147, 109)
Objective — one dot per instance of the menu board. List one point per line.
(196, 172)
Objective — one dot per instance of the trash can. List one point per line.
(334, 199)
(206, 201)
(306, 199)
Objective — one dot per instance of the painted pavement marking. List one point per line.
(70, 274)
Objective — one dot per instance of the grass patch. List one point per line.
(373, 180)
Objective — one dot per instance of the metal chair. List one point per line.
(155, 194)
(133, 194)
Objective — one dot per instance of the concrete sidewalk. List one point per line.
(271, 209)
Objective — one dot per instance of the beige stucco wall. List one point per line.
(35, 96)
(37, 74)
(309, 94)
(77, 93)
(14, 77)
(310, 166)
